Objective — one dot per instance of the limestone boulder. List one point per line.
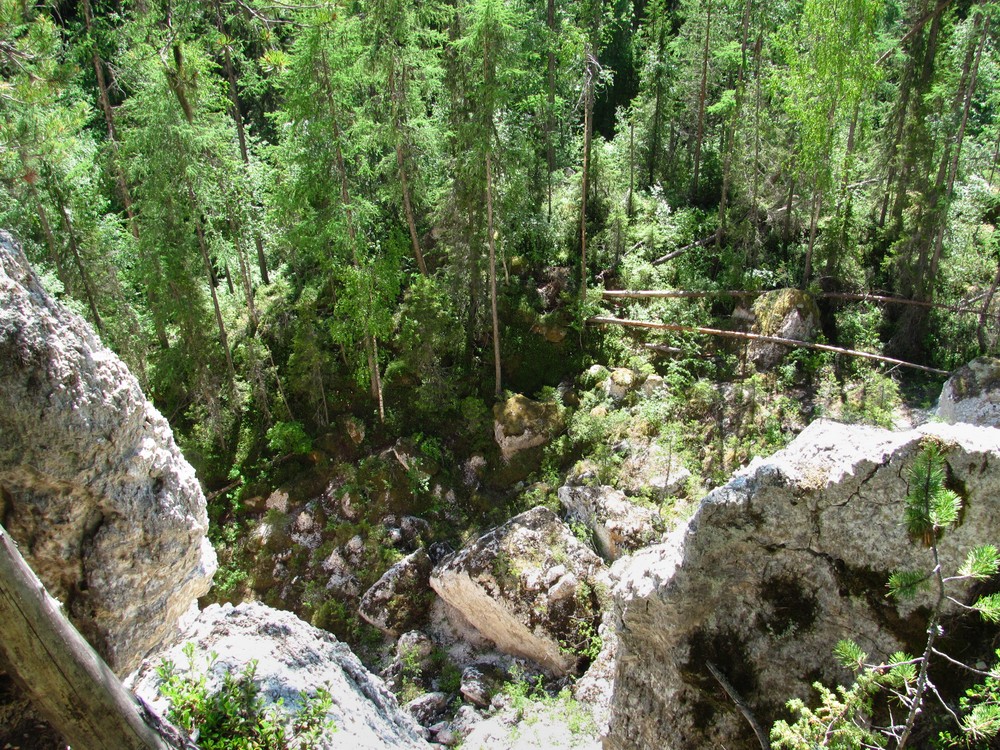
(786, 314)
(972, 394)
(620, 383)
(520, 423)
(529, 586)
(619, 526)
(92, 485)
(777, 566)
(593, 376)
(400, 599)
(293, 659)
(653, 470)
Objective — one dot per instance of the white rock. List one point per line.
(972, 394)
(109, 514)
(292, 658)
(497, 583)
(778, 565)
(619, 525)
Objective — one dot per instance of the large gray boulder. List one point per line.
(972, 394)
(618, 525)
(400, 599)
(92, 485)
(293, 659)
(784, 314)
(777, 566)
(520, 423)
(529, 586)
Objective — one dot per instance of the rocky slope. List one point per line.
(92, 485)
(292, 659)
(788, 558)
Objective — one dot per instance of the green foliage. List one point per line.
(930, 507)
(288, 438)
(844, 718)
(234, 716)
(980, 712)
(529, 698)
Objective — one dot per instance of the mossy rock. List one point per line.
(972, 394)
(520, 423)
(786, 314)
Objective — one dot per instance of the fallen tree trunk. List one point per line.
(695, 294)
(66, 680)
(598, 320)
(681, 250)
(672, 294)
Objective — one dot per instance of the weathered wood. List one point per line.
(663, 349)
(66, 680)
(695, 294)
(672, 294)
(681, 250)
(598, 320)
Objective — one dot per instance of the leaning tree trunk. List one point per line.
(588, 128)
(702, 92)
(66, 680)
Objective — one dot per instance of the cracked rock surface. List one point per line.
(777, 566)
(92, 485)
(293, 659)
(529, 586)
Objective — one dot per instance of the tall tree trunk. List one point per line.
(658, 96)
(121, 182)
(788, 209)
(237, 115)
(588, 127)
(914, 132)
(817, 205)
(109, 120)
(245, 279)
(371, 349)
(550, 113)
(630, 200)
(207, 261)
(843, 207)
(702, 93)
(50, 238)
(398, 96)
(969, 80)
(74, 247)
(491, 237)
(731, 135)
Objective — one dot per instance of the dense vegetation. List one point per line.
(297, 220)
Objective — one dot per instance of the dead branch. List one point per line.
(598, 320)
(704, 241)
(741, 704)
(694, 294)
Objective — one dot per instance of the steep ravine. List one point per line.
(594, 590)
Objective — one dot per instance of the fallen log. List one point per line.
(66, 680)
(695, 294)
(599, 320)
(672, 294)
(681, 250)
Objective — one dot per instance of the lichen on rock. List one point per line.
(786, 314)
(520, 423)
(92, 485)
(972, 394)
(777, 566)
(529, 586)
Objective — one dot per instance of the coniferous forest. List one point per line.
(313, 226)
